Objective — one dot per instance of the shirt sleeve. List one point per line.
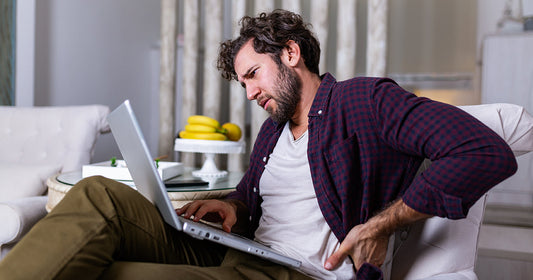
(369, 272)
(468, 158)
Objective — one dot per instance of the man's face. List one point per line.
(275, 87)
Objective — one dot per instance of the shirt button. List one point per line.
(264, 159)
(255, 189)
(320, 112)
(403, 235)
(250, 218)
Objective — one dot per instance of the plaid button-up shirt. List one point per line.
(367, 139)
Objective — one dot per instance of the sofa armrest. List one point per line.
(512, 122)
(19, 215)
(461, 275)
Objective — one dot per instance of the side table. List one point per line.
(60, 184)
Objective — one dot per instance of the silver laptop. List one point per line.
(132, 145)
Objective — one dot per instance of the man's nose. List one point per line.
(252, 92)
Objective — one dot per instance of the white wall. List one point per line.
(97, 52)
(490, 12)
(25, 53)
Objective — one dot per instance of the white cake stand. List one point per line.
(209, 148)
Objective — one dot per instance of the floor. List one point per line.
(506, 245)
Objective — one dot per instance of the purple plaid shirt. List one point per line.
(367, 139)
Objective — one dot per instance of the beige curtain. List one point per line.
(237, 104)
(167, 78)
(376, 51)
(204, 30)
(190, 58)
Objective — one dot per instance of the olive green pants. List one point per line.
(103, 229)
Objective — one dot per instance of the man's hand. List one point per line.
(363, 244)
(217, 211)
(368, 242)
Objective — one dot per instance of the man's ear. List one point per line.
(291, 53)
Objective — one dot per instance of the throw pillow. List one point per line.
(21, 180)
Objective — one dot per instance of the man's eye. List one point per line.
(252, 74)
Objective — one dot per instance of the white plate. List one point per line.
(209, 146)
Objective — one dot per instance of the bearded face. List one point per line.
(287, 94)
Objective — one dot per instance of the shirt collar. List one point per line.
(322, 95)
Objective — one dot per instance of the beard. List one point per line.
(288, 93)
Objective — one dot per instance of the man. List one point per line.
(331, 176)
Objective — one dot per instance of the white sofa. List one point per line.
(440, 248)
(36, 143)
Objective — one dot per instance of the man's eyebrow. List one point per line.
(246, 75)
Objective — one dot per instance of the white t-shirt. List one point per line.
(292, 222)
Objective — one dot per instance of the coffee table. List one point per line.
(60, 184)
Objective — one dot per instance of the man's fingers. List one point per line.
(205, 208)
(212, 210)
(229, 222)
(192, 209)
(224, 211)
(183, 208)
(334, 260)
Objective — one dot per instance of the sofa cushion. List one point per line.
(21, 180)
(64, 135)
(512, 122)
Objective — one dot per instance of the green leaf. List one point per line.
(114, 161)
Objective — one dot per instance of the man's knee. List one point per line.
(99, 184)
(98, 189)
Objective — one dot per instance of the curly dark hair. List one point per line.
(271, 32)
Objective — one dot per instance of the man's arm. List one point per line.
(467, 160)
(368, 242)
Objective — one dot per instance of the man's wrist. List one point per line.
(397, 215)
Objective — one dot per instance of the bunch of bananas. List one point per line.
(206, 128)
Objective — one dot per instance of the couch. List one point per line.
(439, 248)
(36, 143)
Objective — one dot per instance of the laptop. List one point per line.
(128, 135)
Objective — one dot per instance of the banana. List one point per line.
(204, 128)
(202, 135)
(204, 120)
